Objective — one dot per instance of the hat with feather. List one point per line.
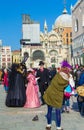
(65, 64)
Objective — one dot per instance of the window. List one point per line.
(3, 55)
(7, 49)
(76, 25)
(9, 64)
(3, 64)
(66, 34)
(70, 34)
(3, 50)
(3, 59)
(71, 40)
(8, 59)
(67, 40)
(8, 55)
(83, 20)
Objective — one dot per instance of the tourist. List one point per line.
(53, 96)
(5, 80)
(68, 93)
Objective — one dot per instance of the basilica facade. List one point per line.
(51, 47)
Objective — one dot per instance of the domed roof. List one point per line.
(64, 20)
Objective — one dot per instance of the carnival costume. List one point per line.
(32, 98)
(43, 80)
(16, 96)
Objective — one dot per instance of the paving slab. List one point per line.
(21, 118)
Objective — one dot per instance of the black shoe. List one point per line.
(48, 128)
(67, 111)
(35, 118)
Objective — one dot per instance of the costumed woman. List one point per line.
(53, 96)
(16, 96)
(32, 97)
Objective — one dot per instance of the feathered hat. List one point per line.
(65, 64)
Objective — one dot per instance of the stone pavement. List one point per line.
(21, 118)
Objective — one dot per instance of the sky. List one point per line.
(39, 10)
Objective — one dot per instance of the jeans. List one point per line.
(80, 101)
(57, 115)
(6, 88)
(66, 102)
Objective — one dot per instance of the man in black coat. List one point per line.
(43, 74)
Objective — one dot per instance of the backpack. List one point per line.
(68, 91)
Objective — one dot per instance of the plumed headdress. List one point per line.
(65, 64)
(26, 56)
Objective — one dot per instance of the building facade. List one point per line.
(0, 52)
(16, 56)
(51, 47)
(6, 60)
(78, 33)
(5, 56)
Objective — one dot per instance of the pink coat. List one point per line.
(5, 79)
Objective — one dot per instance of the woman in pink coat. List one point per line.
(5, 80)
(32, 98)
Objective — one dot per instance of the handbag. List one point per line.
(68, 91)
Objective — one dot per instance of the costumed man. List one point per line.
(16, 96)
(43, 75)
(53, 96)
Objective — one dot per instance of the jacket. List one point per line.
(53, 96)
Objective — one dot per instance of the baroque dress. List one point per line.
(16, 95)
(32, 98)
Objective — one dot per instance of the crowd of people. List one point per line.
(31, 88)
